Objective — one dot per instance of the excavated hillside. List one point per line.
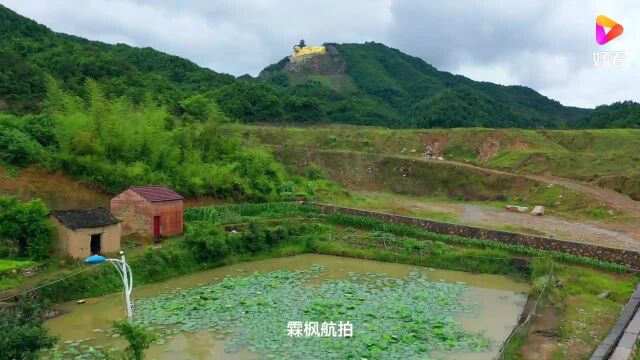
(330, 63)
(600, 158)
(328, 69)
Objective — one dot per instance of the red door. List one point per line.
(156, 227)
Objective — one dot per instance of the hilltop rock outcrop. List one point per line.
(330, 63)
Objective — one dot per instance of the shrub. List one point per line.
(254, 239)
(18, 148)
(26, 225)
(287, 186)
(287, 196)
(301, 195)
(23, 333)
(84, 144)
(206, 241)
(314, 172)
(139, 339)
(40, 128)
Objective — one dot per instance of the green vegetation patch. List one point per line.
(391, 318)
(227, 214)
(8, 265)
(407, 230)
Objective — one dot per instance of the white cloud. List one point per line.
(228, 36)
(546, 44)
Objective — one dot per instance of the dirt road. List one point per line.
(617, 200)
(594, 232)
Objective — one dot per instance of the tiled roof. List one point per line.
(85, 218)
(157, 193)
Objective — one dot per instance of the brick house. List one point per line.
(82, 233)
(154, 211)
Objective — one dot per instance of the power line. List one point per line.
(45, 285)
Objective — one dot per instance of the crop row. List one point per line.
(232, 213)
(235, 213)
(407, 230)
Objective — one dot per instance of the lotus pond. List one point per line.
(242, 311)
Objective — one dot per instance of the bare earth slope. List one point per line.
(617, 200)
(607, 158)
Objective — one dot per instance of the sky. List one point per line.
(548, 45)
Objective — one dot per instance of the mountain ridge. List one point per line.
(377, 85)
(405, 81)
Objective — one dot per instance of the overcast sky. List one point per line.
(548, 45)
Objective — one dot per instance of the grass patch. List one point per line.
(8, 265)
(586, 316)
(394, 203)
(513, 348)
(510, 159)
(407, 177)
(453, 259)
(10, 282)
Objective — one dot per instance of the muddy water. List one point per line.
(497, 302)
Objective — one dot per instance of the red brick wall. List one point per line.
(136, 214)
(134, 211)
(171, 213)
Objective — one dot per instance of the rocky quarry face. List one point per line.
(330, 63)
(325, 64)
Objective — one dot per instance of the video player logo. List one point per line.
(615, 29)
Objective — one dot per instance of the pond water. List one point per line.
(475, 312)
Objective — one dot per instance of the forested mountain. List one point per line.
(624, 114)
(415, 94)
(369, 84)
(29, 50)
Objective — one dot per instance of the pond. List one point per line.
(252, 310)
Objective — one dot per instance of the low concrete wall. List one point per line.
(620, 256)
(619, 342)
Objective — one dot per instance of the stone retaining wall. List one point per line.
(28, 271)
(620, 256)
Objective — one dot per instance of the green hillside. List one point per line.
(410, 93)
(606, 157)
(29, 50)
(374, 85)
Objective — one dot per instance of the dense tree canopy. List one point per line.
(119, 143)
(617, 115)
